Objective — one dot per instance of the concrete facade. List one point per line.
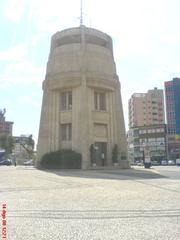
(147, 141)
(81, 98)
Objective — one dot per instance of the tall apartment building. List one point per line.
(172, 92)
(147, 118)
(146, 108)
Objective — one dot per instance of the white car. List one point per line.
(171, 162)
(163, 162)
(29, 162)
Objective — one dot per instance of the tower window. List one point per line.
(66, 132)
(100, 101)
(66, 100)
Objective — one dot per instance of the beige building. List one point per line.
(146, 108)
(82, 104)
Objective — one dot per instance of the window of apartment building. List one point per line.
(151, 130)
(100, 101)
(66, 100)
(142, 131)
(160, 139)
(158, 130)
(160, 148)
(136, 133)
(151, 139)
(66, 132)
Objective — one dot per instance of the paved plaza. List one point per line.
(91, 205)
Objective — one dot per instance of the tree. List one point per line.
(10, 144)
(3, 140)
(91, 148)
(7, 143)
(2, 113)
(28, 144)
(115, 154)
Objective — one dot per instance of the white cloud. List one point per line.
(15, 9)
(49, 16)
(36, 39)
(30, 100)
(14, 53)
(23, 73)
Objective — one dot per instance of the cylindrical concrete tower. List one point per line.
(82, 107)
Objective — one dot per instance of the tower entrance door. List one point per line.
(101, 153)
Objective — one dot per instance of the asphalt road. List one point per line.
(91, 205)
(172, 172)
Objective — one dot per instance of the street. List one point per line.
(91, 205)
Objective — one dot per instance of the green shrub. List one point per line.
(62, 159)
(115, 154)
(91, 149)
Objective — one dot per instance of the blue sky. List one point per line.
(146, 38)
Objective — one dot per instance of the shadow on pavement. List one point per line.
(122, 174)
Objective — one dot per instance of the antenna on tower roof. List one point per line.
(81, 13)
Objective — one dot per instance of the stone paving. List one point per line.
(90, 205)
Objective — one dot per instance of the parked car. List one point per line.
(163, 162)
(171, 162)
(178, 162)
(29, 162)
(155, 163)
(6, 162)
(139, 163)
